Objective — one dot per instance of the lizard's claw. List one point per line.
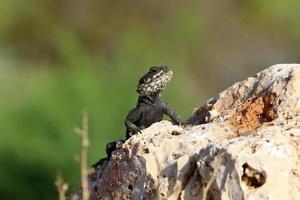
(183, 124)
(137, 130)
(134, 131)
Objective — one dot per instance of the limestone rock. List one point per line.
(243, 144)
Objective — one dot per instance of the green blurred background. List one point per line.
(60, 57)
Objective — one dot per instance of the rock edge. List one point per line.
(243, 144)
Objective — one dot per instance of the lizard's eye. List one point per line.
(154, 70)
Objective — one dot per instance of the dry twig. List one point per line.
(83, 132)
(62, 186)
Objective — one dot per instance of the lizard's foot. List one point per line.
(184, 124)
(132, 132)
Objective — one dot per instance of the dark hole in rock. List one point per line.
(252, 177)
(130, 187)
(146, 150)
(269, 113)
(175, 133)
(95, 188)
(175, 156)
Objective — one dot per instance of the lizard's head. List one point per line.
(154, 81)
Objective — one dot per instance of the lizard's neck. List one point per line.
(150, 99)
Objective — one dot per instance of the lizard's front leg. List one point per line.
(132, 129)
(168, 110)
(132, 117)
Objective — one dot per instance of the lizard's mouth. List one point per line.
(162, 81)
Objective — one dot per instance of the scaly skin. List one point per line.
(149, 109)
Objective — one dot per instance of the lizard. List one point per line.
(149, 109)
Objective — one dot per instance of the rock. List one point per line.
(243, 144)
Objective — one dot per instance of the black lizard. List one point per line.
(149, 109)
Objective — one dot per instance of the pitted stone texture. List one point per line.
(244, 145)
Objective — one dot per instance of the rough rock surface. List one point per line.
(243, 144)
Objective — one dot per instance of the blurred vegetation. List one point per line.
(60, 57)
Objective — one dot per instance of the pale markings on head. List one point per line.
(156, 79)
